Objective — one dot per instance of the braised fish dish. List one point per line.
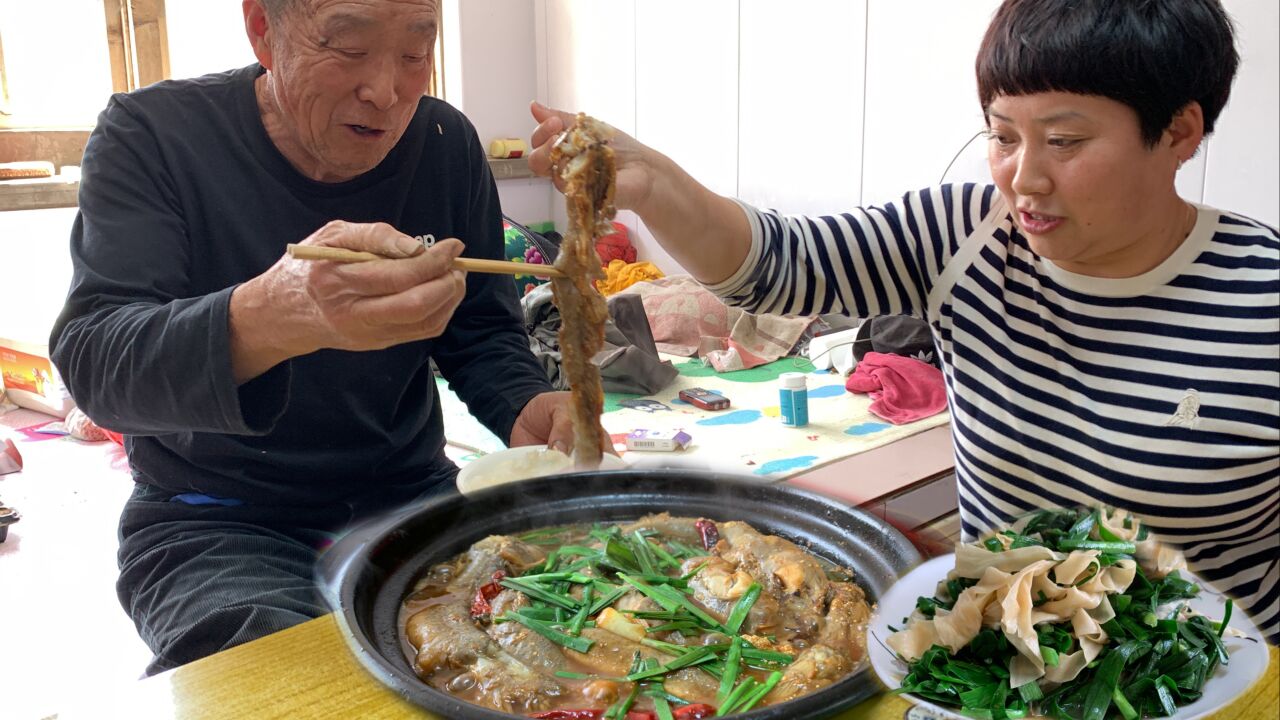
(661, 618)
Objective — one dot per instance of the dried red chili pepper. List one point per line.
(480, 606)
(710, 534)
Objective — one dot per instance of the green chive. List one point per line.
(547, 631)
(1122, 704)
(1050, 656)
(758, 694)
(1226, 617)
(689, 575)
(732, 663)
(670, 599)
(539, 593)
(662, 708)
(741, 608)
(608, 599)
(1030, 692)
(575, 626)
(620, 708)
(667, 558)
(1123, 548)
(736, 696)
(692, 657)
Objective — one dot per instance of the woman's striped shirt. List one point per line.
(1158, 393)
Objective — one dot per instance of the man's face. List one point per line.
(346, 77)
(1078, 177)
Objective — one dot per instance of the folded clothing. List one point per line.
(686, 317)
(620, 275)
(902, 389)
(628, 362)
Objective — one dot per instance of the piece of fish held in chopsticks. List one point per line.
(586, 165)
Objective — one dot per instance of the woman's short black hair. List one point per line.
(1155, 56)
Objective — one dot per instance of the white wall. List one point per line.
(922, 95)
(801, 79)
(586, 59)
(1242, 159)
(35, 271)
(490, 76)
(835, 103)
(206, 36)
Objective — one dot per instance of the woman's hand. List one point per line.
(635, 162)
(706, 233)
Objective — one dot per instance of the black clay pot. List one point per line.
(367, 573)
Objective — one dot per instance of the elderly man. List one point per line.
(268, 402)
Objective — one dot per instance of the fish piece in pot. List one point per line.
(520, 642)
(611, 655)
(778, 563)
(448, 641)
(692, 684)
(496, 552)
(720, 584)
(845, 626)
(682, 529)
(816, 667)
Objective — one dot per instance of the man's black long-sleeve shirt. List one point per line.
(183, 196)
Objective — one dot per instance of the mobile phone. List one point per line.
(705, 399)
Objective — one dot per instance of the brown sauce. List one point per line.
(804, 630)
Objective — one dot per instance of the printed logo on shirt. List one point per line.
(426, 240)
(1188, 413)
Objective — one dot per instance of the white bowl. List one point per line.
(521, 463)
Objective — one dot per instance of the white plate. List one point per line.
(1248, 656)
(520, 463)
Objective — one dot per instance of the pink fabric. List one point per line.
(902, 389)
(688, 320)
(10, 458)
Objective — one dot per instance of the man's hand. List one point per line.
(547, 419)
(297, 307)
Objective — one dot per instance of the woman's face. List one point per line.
(346, 77)
(1084, 188)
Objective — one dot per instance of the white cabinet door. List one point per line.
(800, 119)
(1242, 159)
(922, 95)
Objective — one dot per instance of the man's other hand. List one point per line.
(547, 419)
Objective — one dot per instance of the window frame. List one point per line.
(138, 53)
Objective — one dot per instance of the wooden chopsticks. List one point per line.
(501, 267)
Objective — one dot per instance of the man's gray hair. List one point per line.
(277, 8)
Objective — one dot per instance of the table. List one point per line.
(308, 672)
(900, 472)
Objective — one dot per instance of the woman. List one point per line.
(1103, 340)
